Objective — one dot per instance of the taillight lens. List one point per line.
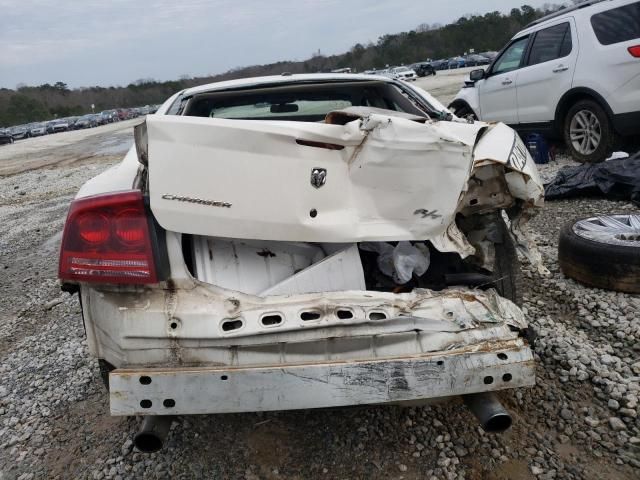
(106, 239)
(635, 51)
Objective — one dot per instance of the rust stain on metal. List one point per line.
(170, 307)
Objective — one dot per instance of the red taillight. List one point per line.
(635, 51)
(106, 239)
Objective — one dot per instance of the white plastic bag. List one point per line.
(401, 262)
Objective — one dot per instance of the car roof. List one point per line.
(558, 15)
(283, 79)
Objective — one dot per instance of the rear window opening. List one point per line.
(305, 103)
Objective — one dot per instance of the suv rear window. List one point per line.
(618, 24)
(551, 43)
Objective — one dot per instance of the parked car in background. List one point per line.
(19, 131)
(573, 75)
(100, 119)
(474, 60)
(37, 129)
(57, 126)
(456, 62)
(5, 136)
(105, 117)
(424, 69)
(210, 294)
(86, 121)
(440, 64)
(404, 73)
(490, 55)
(124, 114)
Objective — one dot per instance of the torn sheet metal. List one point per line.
(376, 178)
(502, 145)
(383, 178)
(199, 313)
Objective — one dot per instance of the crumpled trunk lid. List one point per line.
(377, 178)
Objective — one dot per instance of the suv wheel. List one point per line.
(587, 132)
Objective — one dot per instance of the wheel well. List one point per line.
(457, 103)
(460, 103)
(573, 96)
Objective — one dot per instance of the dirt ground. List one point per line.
(579, 422)
(66, 148)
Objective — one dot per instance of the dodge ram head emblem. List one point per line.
(318, 177)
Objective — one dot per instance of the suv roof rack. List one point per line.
(588, 3)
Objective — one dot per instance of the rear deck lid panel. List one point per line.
(382, 179)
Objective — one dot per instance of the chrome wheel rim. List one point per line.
(585, 132)
(610, 229)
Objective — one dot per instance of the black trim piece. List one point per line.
(627, 123)
(158, 243)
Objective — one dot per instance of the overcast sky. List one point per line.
(115, 42)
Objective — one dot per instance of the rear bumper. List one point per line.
(393, 348)
(181, 391)
(627, 123)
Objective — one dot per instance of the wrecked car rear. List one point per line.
(285, 263)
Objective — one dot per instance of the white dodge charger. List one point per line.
(305, 241)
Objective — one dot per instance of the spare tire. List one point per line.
(602, 252)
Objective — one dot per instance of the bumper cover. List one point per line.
(179, 391)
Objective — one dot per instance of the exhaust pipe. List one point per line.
(153, 433)
(489, 411)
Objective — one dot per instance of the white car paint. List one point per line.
(175, 332)
(375, 186)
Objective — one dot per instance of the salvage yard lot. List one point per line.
(580, 421)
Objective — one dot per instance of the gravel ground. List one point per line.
(580, 421)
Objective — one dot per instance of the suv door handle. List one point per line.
(507, 81)
(560, 68)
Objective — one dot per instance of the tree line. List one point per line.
(479, 32)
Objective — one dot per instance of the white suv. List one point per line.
(574, 74)
(404, 73)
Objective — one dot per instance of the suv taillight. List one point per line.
(635, 51)
(106, 239)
